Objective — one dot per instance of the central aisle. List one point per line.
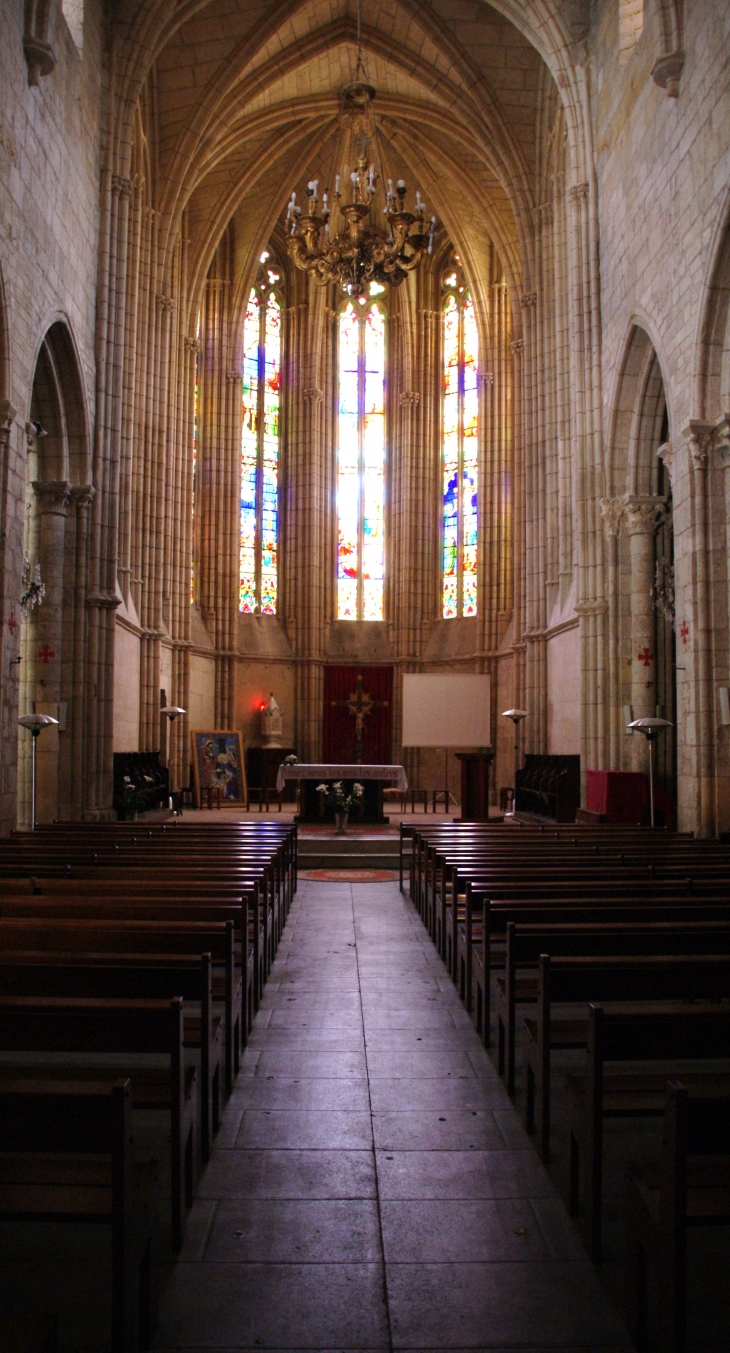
(371, 1185)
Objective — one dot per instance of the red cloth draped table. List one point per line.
(622, 797)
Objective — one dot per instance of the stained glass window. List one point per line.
(260, 415)
(361, 463)
(460, 417)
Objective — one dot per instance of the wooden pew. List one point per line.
(57, 1025)
(526, 943)
(602, 907)
(610, 977)
(627, 1033)
(68, 1156)
(688, 1187)
(68, 907)
(36, 1334)
(207, 1031)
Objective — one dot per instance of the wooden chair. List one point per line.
(443, 795)
(689, 1187)
(414, 795)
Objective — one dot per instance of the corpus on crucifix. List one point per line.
(359, 704)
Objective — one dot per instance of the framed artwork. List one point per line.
(218, 764)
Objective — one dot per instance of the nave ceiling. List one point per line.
(239, 105)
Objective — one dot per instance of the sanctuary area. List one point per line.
(365, 675)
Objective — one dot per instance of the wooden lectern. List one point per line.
(475, 784)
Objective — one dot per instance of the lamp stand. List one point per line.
(33, 779)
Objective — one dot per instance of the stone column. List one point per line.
(643, 516)
(11, 557)
(699, 437)
(53, 499)
(612, 510)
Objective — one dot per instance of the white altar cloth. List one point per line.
(303, 771)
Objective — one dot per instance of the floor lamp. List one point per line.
(516, 715)
(172, 712)
(35, 723)
(651, 728)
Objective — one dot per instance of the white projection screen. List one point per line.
(446, 710)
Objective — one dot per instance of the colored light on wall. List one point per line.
(361, 464)
(260, 419)
(459, 455)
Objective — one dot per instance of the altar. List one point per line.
(372, 779)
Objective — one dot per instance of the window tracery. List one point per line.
(459, 429)
(261, 404)
(361, 461)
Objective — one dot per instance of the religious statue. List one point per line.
(271, 723)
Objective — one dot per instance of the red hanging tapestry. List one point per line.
(344, 734)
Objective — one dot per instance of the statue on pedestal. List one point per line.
(271, 723)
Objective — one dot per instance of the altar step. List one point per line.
(348, 852)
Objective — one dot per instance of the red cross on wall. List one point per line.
(45, 654)
(684, 632)
(646, 657)
(12, 623)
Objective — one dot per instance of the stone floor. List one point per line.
(371, 1186)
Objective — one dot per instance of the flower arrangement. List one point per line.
(290, 760)
(336, 798)
(136, 794)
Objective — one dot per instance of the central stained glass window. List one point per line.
(361, 463)
(261, 396)
(459, 450)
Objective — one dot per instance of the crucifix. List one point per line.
(359, 704)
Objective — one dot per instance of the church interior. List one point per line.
(365, 421)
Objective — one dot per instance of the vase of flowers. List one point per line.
(336, 797)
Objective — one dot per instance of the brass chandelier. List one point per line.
(353, 248)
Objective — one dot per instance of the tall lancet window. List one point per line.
(261, 396)
(459, 449)
(361, 462)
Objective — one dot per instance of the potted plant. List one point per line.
(336, 798)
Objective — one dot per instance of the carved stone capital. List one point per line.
(53, 495)
(529, 300)
(104, 601)
(40, 58)
(644, 515)
(699, 435)
(517, 346)
(410, 399)
(545, 213)
(165, 304)
(666, 72)
(122, 187)
(578, 193)
(8, 414)
(666, 454)
(232, 377)
(191, 344)
(612, 510)
(591, 606)
(485, 380)
(83, 496)
(722, 441)
(313, 395)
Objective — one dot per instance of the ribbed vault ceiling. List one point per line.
(246, 94)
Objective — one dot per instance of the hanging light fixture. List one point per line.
(366, 235)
